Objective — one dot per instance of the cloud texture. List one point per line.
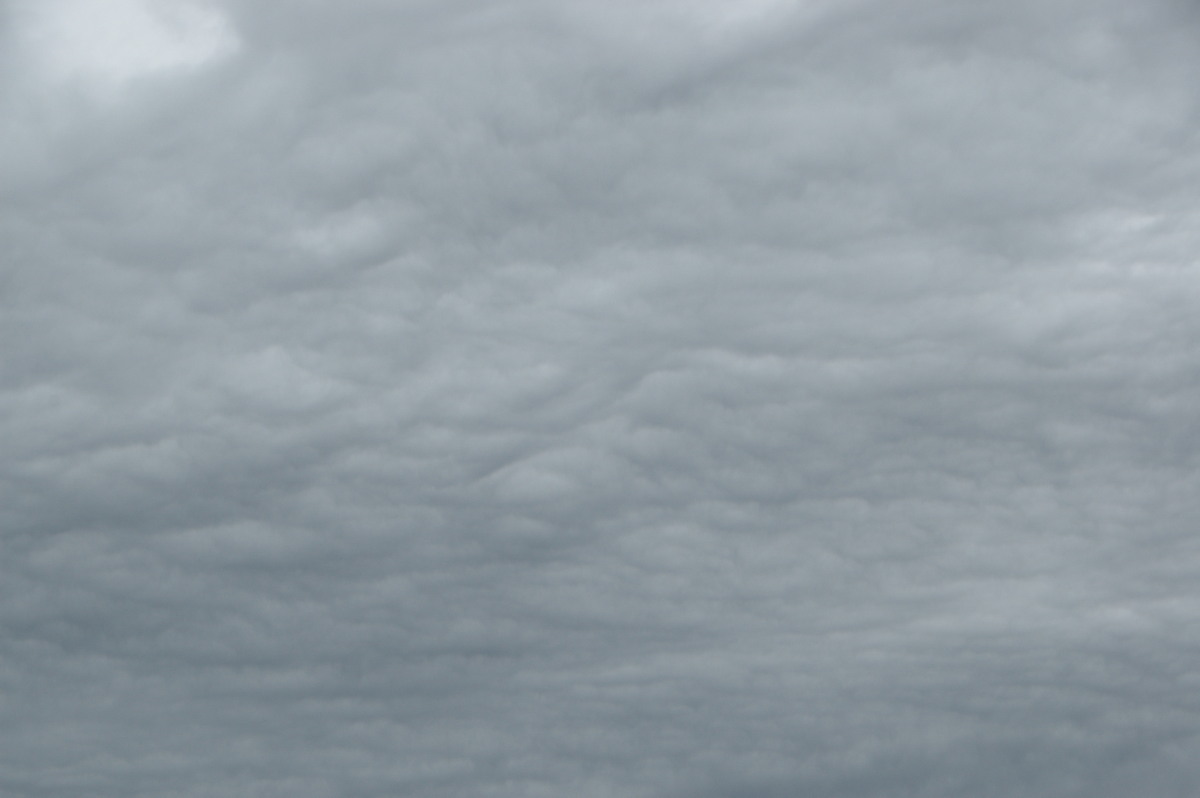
(650, 399)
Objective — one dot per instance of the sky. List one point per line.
(638, 398)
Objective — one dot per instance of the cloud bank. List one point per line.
(645, 399)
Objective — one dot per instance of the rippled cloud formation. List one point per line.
(649, 399)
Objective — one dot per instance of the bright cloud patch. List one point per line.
(104, 44)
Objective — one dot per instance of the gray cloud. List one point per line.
(521, 399)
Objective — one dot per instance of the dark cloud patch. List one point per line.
(523, 399)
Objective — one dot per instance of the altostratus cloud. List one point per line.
(649, 399)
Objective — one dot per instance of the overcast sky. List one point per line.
(599, 398)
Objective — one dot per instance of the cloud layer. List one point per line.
(641, 399)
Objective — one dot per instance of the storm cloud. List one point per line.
(653, 399)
